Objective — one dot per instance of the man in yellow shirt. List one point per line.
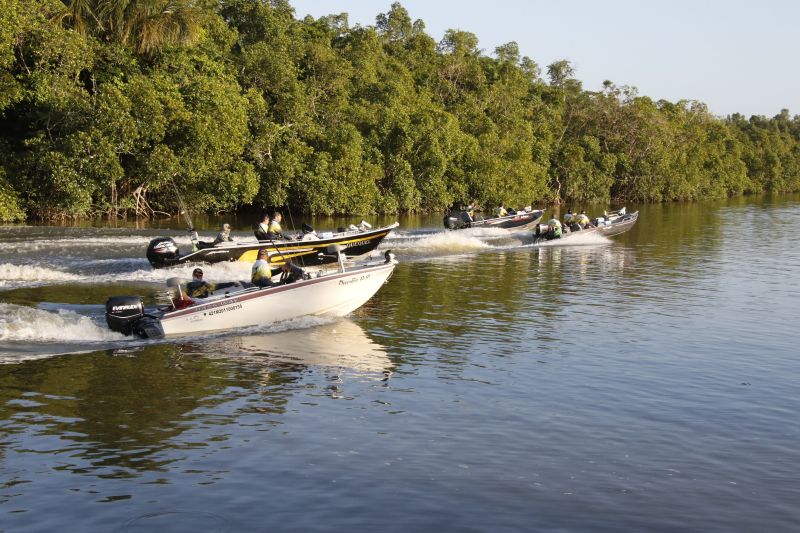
(262, 273)
(275, 229)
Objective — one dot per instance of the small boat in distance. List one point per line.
(356, 240)
(616, 223)
(326, 294)
(522, 219)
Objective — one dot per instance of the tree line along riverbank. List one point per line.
(108, 106)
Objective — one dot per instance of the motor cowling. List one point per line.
(123, 312)
(162, 251)
(459, 220)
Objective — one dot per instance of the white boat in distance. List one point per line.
(333, 294)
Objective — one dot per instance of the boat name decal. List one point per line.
(225, 309)
(354, 279)
(357, 243)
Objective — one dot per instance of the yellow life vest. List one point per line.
(261, 271)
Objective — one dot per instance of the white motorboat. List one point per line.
(325, 294)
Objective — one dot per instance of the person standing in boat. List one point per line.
(500, 211)
(262, 273)
(262, 229)
(224, 235)
(275, 230)
(471, 210)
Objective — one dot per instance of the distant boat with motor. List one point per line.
(306, 248)
(325, 294)
(518, 220)
(610, 224)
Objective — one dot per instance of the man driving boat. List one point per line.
(199, 288)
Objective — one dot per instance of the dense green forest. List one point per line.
(107, 106)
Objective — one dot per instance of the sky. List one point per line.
(736, 56)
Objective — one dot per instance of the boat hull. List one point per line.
(330, 295)
(303, 253)
(518, 221)
(619, 225)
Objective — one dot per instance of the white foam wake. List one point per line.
(10, 272)
(21, 323)
(450, 242)
(28, 275)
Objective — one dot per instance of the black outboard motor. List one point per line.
(162, 252)
(123, 312)
(453, 221)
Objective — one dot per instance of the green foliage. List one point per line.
(10, 208)
(107, 105)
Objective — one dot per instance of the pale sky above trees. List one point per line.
(734, 55)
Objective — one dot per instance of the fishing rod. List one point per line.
(193, 233)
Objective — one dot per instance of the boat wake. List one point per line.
(443, 243)
(12, 276)
(17, 276)
(29, 333)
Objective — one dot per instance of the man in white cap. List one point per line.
(224, 235)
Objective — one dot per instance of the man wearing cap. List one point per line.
(262, 273)
(224, 235)
(198, 288)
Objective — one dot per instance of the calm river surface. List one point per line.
(649, 382)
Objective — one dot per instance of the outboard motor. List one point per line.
(450, 221)
(123, 312)
(162, 252)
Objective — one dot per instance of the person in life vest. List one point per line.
(554, 231)
(224, 235)
(261, 275)
(471, 210)
(261, 230)
(199, 288)
(569, 218)
(582, 220)
(275, 229)
(500, 210)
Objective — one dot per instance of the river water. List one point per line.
(646, 382)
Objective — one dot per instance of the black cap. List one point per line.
(197, 271)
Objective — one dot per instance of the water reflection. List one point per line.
(120, 413)
(342, 345)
